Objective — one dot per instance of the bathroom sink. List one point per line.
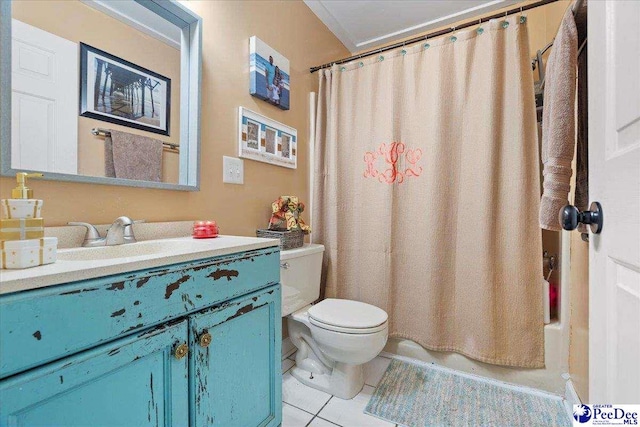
(124, 251)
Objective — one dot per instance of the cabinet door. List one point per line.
(135, 381)
(237, 378)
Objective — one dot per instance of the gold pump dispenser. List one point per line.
(22, 240)
(22, 191)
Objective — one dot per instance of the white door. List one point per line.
(614, 181)
(44, 100)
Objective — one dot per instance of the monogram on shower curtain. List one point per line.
(427, 192)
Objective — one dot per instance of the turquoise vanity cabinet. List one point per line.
(191, 344)
(235, 373)
(105, 386)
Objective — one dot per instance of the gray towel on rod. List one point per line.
(109, 170)
(130, 156)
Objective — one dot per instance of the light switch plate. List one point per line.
(232, 170)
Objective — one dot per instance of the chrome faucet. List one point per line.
(120, 232)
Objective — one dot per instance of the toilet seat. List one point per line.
(347, 316)
(358, 331)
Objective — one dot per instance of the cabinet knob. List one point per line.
(205, 339)
(181, 351)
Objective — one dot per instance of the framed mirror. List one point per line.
(108, 92)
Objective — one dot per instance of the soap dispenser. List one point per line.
(22, 241)
(22, 204)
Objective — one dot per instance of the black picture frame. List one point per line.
(128, 92)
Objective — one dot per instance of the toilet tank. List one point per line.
(300, 276)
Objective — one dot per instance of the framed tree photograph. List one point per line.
(270, 135)
(285, 144)
(118, 91)
(253, 135)
(265, 140)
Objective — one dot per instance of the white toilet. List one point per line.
(334, 337)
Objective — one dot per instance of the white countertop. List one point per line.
(183, 249)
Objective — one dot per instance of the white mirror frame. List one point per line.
(190, 79)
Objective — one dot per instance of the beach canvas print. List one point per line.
(269, 71)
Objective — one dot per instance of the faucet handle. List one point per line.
(122, 221)
(92, 232)
(129, 237)
(116, 232)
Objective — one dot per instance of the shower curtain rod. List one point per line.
(441, 32)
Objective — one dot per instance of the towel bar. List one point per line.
(167, 146)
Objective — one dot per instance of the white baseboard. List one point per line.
(570, 397)
(287, 348)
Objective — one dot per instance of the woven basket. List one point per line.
(288, 239)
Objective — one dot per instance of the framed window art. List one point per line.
(265, 140)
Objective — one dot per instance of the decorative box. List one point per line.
(21, 229)
(205, 229)
(21, 208)
(17, 254)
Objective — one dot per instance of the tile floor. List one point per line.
(305, 406)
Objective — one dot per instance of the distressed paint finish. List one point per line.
(134, 381)
(113, 340)
(50, 323)
(236, 380)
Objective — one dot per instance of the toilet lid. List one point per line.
(347, 314)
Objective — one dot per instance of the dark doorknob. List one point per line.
(570, 217)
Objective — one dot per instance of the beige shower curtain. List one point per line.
(427, 192)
